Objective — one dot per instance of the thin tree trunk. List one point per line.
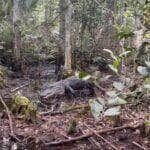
(16, 30)
(62, 8)
(68, 56)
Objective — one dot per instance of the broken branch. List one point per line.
(53, 113)
(105, 140)
(85, 136)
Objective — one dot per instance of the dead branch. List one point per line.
(53, 113)
(10, 120)
(85, 136)
(92, 140)
(9, 115)
(105, 140)
(22, 86)
(138, 145)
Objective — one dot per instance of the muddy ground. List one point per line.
(35, 136)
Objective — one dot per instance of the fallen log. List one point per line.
(67, 87)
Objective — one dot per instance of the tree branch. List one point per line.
(85, 136)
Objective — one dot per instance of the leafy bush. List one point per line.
(6, 34)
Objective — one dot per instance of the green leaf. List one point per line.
(108, 51)
(116, 101)
(96, 108)
(30, 3)
(147, 80)
(107, 77)
(128, 81)
(128, 13)
(112, 94)
(124, 54)
(114, 111)
(117, 64)
(1, 47)
(143, 70)
(101, 101)
(147, 123)
(111, 53)
(113, 68)
(119, 86)
(147, 63)
(82, 75)
(147, 86)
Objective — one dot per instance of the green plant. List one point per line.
(115, 66)
(123, 32)
(110, 106)
(145, 72)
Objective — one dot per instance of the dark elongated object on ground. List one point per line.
(101, 63)
(66, 87)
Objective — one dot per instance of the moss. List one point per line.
(2, 78)
(146, 14)
(72, 127)
(24, 108)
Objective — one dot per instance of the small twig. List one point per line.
(9, 115)
(10, 119)
(138, 145)
(92, 140)
(105, 140)
(17, 88)
(85, 136)
(53, 113)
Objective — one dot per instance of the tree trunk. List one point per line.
(68, 56)
(16, 30)
(62, 8)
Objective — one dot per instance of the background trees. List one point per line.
(16, 29)
(102, 44)
(81, 29)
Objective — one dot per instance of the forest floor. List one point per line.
(53, 128)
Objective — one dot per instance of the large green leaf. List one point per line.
(112, 94)
(143, 70)
(124, 54)
(96, 108)
(114, 111)
(101, 101)
(113, 68)
(116, 101)
(147, 86)
(147, 63)
(111, 53)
